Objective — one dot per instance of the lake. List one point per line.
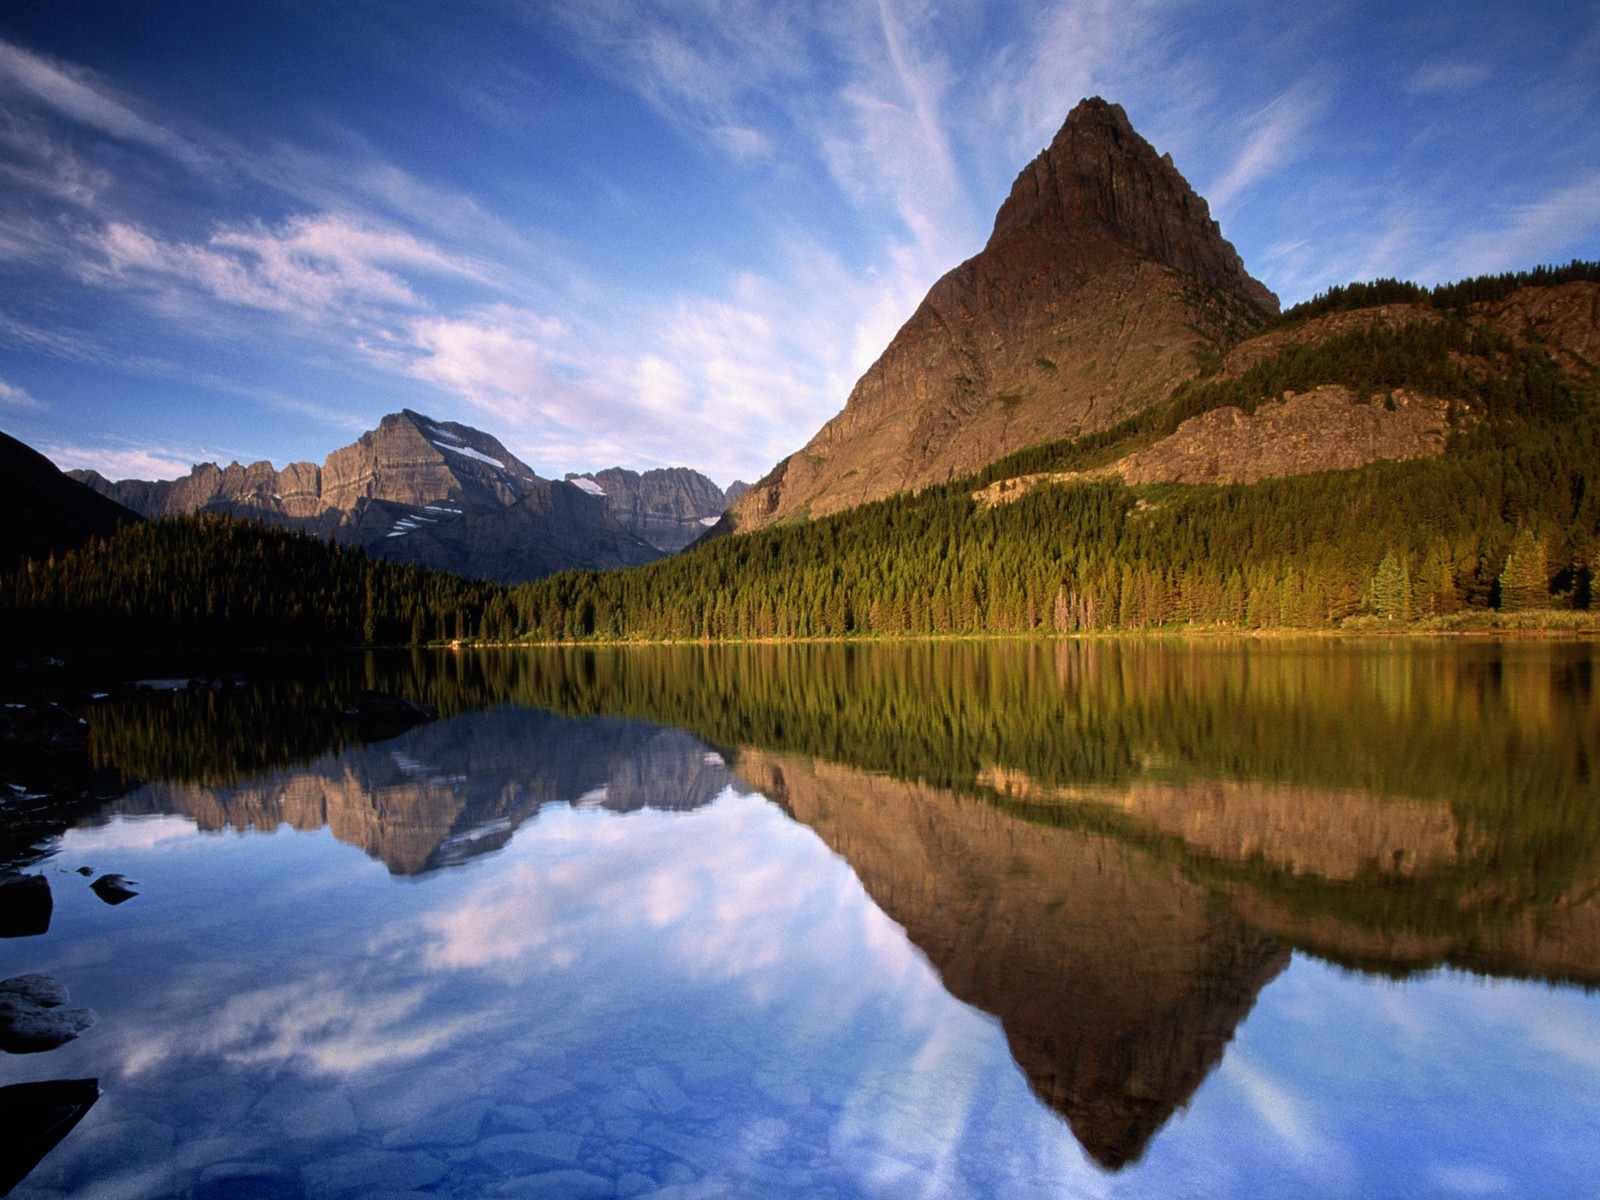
(1312, 918)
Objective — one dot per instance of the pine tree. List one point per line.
(1390, 593)
(1524, 581)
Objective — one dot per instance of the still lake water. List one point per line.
(1297, 919)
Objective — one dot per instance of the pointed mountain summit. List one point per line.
(1104, 277)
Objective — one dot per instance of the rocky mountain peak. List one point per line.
(1104, 278)
(1098, 173)
(413, 459)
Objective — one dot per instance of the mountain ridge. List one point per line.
(443, 495)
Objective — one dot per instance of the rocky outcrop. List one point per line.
(669, 508)
(36, 1116)
(1564, 320)
(34, 1016)
(1104, 275)
(434, 493)
(1326, 429)
(25, 905)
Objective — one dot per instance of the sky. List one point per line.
(675, 232)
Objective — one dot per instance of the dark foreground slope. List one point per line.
(45, 512)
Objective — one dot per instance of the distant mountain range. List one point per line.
(447, 496)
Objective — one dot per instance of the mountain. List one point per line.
(668, 508)
(1103, 282)
(47, 512)
(433, 493)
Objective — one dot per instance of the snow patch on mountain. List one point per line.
(469, 452)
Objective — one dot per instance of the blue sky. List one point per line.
(674, 232)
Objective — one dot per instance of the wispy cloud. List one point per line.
(1291, 1117)
(1469, 1180)
(1552, 227)
(76, 94)
(12, 396)
(502, 359)
(1437, 77)
(122, 459)
(314, 267)
(1277, 135)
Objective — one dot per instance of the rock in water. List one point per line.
(114, 889)
(25, 905)
(380, 715)
(1104, 275)
(35, 1117)
(33, 1017)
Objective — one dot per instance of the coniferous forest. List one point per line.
(1506, 520)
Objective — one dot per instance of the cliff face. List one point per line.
(408, 459)
(1099, 175)
(411, 460)
(669, 508)
(1104, 275)
(435, 493)
(553, 527)
(1326, 429)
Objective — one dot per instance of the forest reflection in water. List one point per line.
(1112, 847)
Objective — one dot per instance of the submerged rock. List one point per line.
(25, 905)
(381, 715)
(36, 1116)
(33, 1017)
(114, 889)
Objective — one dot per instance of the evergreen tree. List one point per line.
(1390, 593)
(1525, 581)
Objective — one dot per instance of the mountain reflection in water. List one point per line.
(441, 794)
(1112, 847)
